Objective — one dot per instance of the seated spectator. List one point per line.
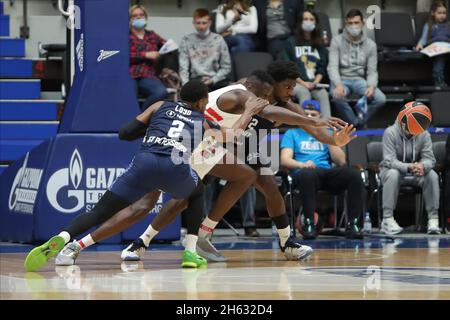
(447, 185)
(308, 52)
(408, 159)
(144, 46)
(277, 21)
(237, 22)
(437, 29)
(352, 68)
(204, 54)
(310, 163)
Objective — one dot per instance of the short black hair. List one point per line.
(193, 91)
(262, 76)
(354, 13)
(283, 70)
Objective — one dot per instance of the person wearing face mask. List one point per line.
(408, 159)
(310, 164)
(204, 54)
(352, 69)
(144, 46)
(308, 52)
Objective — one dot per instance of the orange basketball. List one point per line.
(414, 117)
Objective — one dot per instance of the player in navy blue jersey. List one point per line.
(160, 164)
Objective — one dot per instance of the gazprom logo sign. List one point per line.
(76, 188)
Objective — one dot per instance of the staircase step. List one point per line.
(32, 130)
(1, 8)
(16, 68)
(20, 89)
(4, 25)
(11, 150)
(10, 47)
(29, 110)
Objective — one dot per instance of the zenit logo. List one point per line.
(74, 188)
(24, 188)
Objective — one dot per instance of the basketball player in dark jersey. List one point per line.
(164, 153)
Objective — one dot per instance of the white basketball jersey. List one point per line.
(210, 152)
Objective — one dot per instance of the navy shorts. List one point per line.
(150, 171)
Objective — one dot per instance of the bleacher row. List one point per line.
(25, 119)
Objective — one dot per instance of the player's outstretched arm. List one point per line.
(137, 127)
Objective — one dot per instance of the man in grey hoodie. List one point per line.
(352, 68)
(408, 159)
(204, 54)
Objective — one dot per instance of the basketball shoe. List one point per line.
(295, 251)
(390, 226)
(68, 255)
(134, 251)
(206, 249)
(39, 256)
(192, 260)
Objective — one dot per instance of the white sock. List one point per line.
(148, 235)
(191, 242)
(284, 234)
(86, 242)
(207, 227)
(65, 235)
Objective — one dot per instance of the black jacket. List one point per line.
(292, 9)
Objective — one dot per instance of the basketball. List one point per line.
(414, 117)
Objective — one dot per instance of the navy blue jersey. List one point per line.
(173, 126)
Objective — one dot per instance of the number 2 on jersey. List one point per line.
(175, 130)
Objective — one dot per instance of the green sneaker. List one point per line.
(39, 256)
(192, 260)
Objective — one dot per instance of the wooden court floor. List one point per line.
(361, 273)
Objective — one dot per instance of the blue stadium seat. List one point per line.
(28, 110)
(10, 47)
(20, 89)
(16, 68)
(11, 150)
(28, 130)
(4, 26)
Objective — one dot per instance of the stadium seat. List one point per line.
(396, 45)
(245, 63)
(420, 19)
(325, 25)
(374, 151)
(439, 154)
(440, 109)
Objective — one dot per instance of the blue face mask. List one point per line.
(139, 23)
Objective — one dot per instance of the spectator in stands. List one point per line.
(204, 54)
(237, 22)
(447, 185)
(408, 159)
(144, 46)
(310, 163)
(352, 68)
(436, 30)
(277, 21)
(308, 52)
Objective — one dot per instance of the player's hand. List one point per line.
(344, 136)
(255, 105)
(331, 122)
(152, 55)
(339, 92)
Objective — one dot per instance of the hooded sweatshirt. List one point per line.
(353, 59)
(399, 151)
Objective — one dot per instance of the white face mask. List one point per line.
(203, 34)
(354, 31)
(308, 26)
